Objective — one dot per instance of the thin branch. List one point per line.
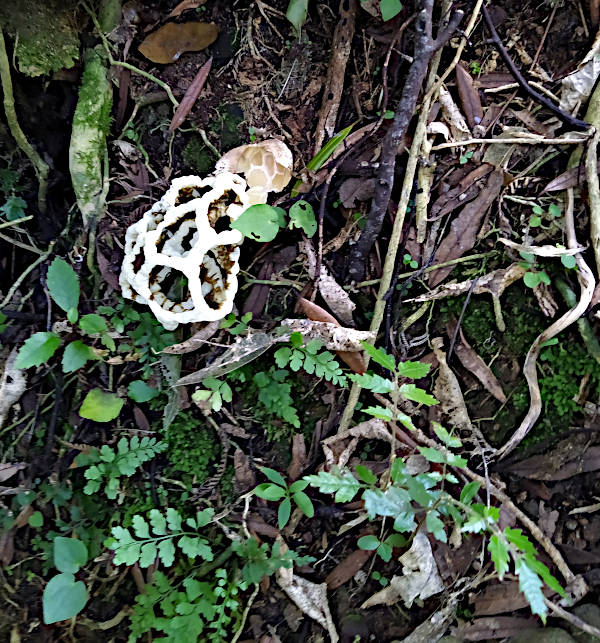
(564, 116)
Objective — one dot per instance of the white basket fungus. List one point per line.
(181, 257)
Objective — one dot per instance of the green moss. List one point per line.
(193, 447)
(228, 126)
(198, 157)
(48, 33)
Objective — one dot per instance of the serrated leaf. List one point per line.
(195, 546)
(342, 483)
(372, 382)
(366, 475)
(38, 349)
(499, 554)
(379, 356)
(63, 284)
(416, 394)
(520, 540)
(379, 412)
(391, 502)
(14, 208)
(100, 406)
(166, 552)
(204, 517)
(92, 323)
(76, 355)
(413, 370)
(449, 440)
(545, 574)
(531, 586)
(435, 526)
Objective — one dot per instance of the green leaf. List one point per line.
(63, 598)
(390, 9)
(36, 350)
(368, 543)
(568, 261)
(380, 356)
(14, 208)
(535, 221)
(158, 522)
(531, 586)
(304, 503)
(374, 383)
(418, 395)
(193, 547)
(148, 554)
(520, 540)
(299, 485)
(166, 552)
(391, 502)
(537, 209)
(499, 554)
(366, 474)
(554, 210)
(413, 370)
(302, 216)
(274, 476)
(70, 554)
(259, 222)
(140, 527)
(36, 520)
(296, 13)
(435, 526)
(139, 391)
(449, 440)
(100, 406)
(93, 323)
(76, 355)
(173, 519)
(283, 513)
(531, 279)
(342, 483)
(469, 491)
(379, 412)
(63, 284)
(269, 491)
(545, 574)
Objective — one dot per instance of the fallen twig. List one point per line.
(564, 116)
(521, 140)
(425, 48)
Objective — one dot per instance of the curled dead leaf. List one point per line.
(166, 44)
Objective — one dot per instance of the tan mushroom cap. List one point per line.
(267, 166)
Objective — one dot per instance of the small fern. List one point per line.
(110, 464)
(157, 539)
(321, 364)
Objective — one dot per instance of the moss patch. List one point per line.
(198, 157)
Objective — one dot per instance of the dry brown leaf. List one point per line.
(12, 385)
(244, 476)
(299, 459)
(469, 96)
(569, 179)
(475, 364)
(185, 5)
(545, 300)
(347, 568)
(466, 190)
(166, 44)
(7, 547)
(355, 189)
(195, 342)
(494, 627)
(339, 447)
(499, 598)
(190, 96)
(309, 597)
(463, 230)
(420, 578)
(547, 519)
(458, 125)
(8, 469)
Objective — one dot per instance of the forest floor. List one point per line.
(393, 435)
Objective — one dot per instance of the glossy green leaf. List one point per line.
(92, 323)
(38, 349)
(76, 355)
(100, 406)
(259, 222)
(304, 503)
(274, 476)
(63, 284)
(284, 512)
(269, 491)
(302, 216)
(368, 543)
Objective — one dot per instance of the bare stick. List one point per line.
(425, 47)
(39, 165)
